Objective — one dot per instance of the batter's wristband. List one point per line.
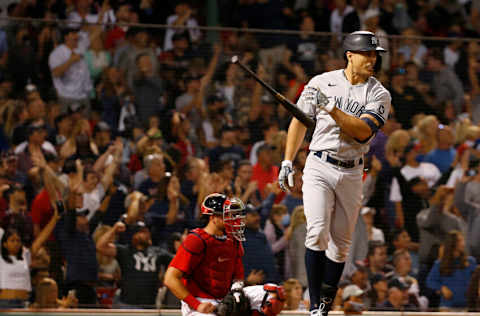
(191, 301)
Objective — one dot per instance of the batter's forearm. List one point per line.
(351, 125)
(295, 136)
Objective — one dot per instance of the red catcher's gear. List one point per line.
(210, 264)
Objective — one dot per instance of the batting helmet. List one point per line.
(361, 41)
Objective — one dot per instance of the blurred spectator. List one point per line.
(408, 101)
(226, 149)
(15, 260)
(401, 241)
(398, 299)
(278, 234)
(445, 85)
(70, 73)
(97, 58)
(336, 18)
(142, 265)
(182, 17)
(360, 278)
(83, 14)
(411, 185)
(108, 268)
(444, 154)
(17, 217)
(269, 133)
(244, 187)
(264, 171)
(354, 20)
(47, 296)
(412, 49)
(147, 88)
(116, 35)
(263, 266)
(373, 233)
(294, 291)
(473, 293)
(402, 263)
(35, 143)
(296, 249)
(451, 272)
(352, 297)
(377, 259)
(378, 293)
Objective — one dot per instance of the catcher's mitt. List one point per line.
(236, 303)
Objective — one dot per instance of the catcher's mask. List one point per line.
(232, 210)
(234, 218)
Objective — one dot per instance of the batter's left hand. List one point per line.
(286, 175)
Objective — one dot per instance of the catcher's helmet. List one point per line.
(232, 210)
(214, 204)
(361, 41)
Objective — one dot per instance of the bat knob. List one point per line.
(235, 59)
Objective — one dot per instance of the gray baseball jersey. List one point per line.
(331, 193)
(370, 97)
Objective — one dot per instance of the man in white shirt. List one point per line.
(70, 74)
(182, 17)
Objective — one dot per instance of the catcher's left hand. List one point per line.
(235, 303)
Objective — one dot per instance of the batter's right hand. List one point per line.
(205, 307)
(286, 175)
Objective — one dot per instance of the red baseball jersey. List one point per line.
(209, 264)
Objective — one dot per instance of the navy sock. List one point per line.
(333, 272)
(315, 265)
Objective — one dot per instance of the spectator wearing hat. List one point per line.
(398, 298)
(35, 143)
(264, 171)
(261, 114)
(352, 298)
(259, 268)
(71, 77)
(411, 186)
(142, 264)
(61, 131)
(445, 84)
(368, 213)
(402, 263)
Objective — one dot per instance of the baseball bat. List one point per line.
(296, 112)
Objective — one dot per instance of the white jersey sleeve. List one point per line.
(378, 103)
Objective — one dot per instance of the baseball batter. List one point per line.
(349, 106)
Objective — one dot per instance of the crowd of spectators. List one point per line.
(111, 136)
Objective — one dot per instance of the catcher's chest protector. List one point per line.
(215, 272)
